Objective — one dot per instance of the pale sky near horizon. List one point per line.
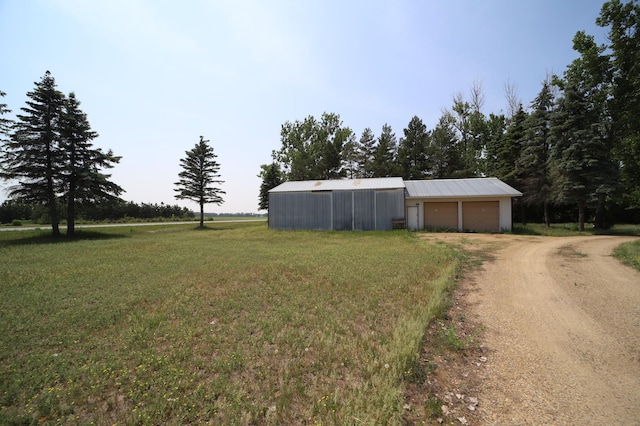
(154, 75)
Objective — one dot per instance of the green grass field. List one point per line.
(234, 324)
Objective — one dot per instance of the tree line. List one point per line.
(577, 144)
(114, 211)
(48, 156)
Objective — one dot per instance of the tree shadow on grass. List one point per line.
(213, 228)
(46, 237)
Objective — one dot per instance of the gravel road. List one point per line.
(562, 331)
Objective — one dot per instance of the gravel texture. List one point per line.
(560, 341)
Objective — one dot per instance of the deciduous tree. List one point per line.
(312, 149)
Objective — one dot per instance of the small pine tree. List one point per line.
(198, 179)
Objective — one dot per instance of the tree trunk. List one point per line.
(545, 208)
(71, 215)
(599, 219)
(581, 212)
(201, 215)
(523, 215)
(54, 215)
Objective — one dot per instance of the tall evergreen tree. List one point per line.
(5, 123)
(412, 158)
(444, 149)
(33, 157)
(511, 147)
(495, 149)
(350, 156)
(534, 166)
(582, 164)
(81, 177)
(366, 152)
(199, 178)
(623, 76)
(271, 176)
(384, 160)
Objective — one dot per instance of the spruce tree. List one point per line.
(444, 149)
(623, 77)
(33, 157)
(582, 164)
(350, 166)
(5, 123)
(82, 180)
(412, 157)
(384, 160)
(366, 152)
(533, 166)
(199, 177)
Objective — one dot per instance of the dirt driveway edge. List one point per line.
(561, 337)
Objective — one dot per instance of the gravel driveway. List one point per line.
(562, 331)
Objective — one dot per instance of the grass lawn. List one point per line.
(234, 324)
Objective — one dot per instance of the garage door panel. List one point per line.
(441, 215)
(481, 216)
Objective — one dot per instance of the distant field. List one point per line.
(234, 324)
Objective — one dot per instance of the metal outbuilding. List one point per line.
(348, 204)
(481, 204)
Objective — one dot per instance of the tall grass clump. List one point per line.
(233, 324)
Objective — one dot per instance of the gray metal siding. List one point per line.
(343, 210)
(359, 210)
(300, 210)
(364, 212)
(389, 206)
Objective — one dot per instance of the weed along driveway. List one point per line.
(562, 321)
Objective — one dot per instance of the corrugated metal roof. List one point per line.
(339, 185)
(478, 187)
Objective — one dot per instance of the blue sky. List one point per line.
(154, 75)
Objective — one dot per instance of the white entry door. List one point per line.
(412, 218)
